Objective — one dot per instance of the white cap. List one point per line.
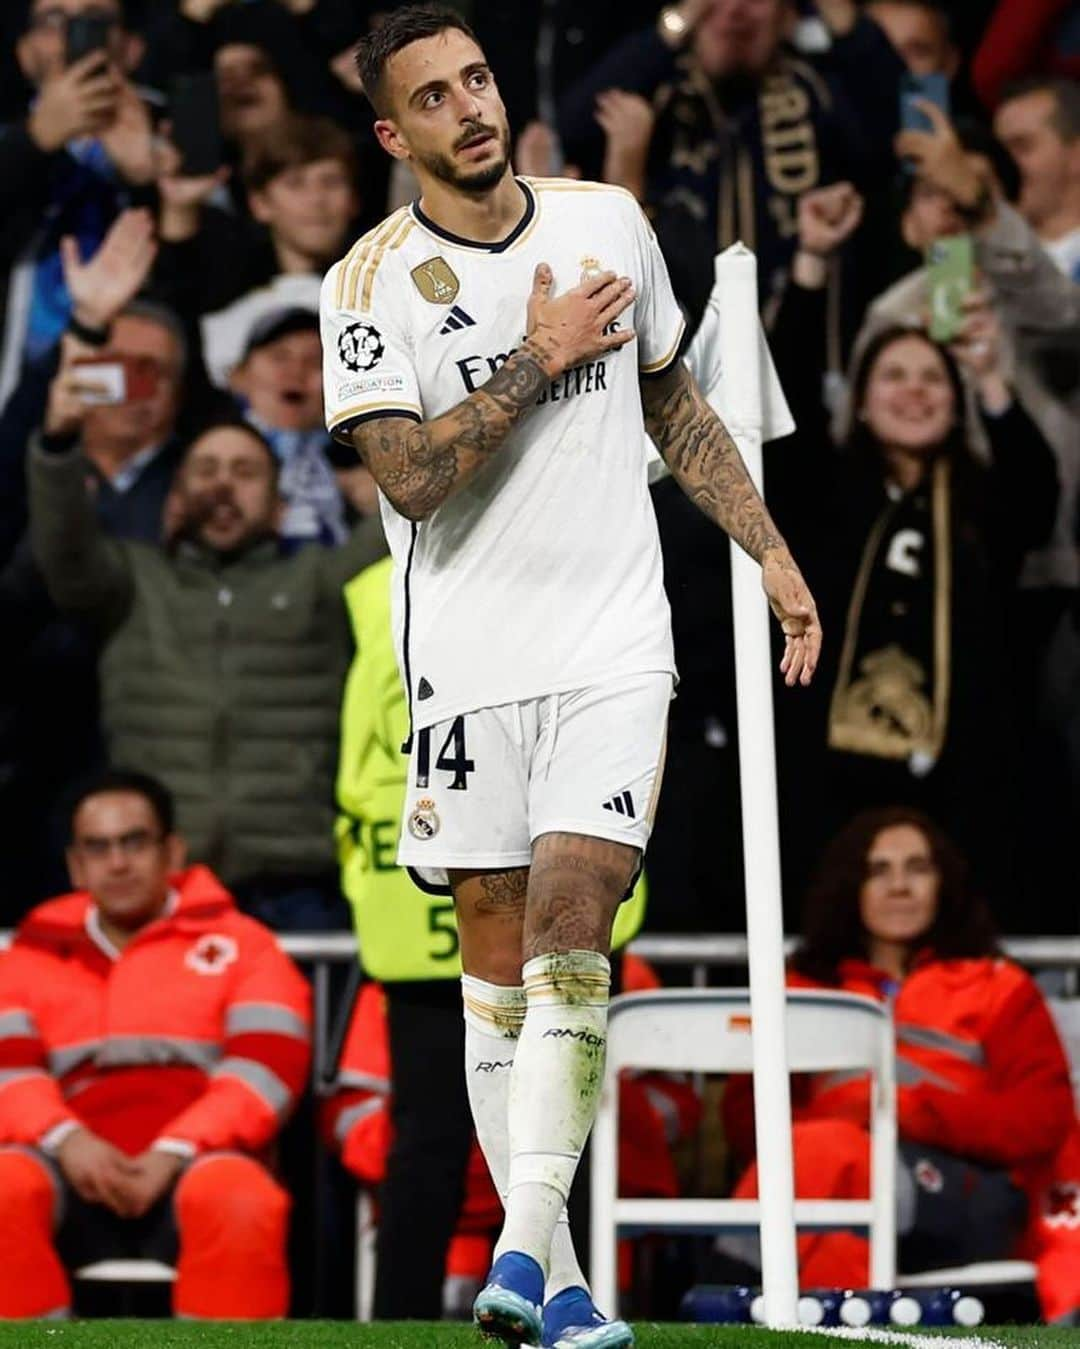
(811, 1311)
(855, 1311)
(905, 1311)
(968, 1311)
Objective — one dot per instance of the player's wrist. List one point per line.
(544, 352)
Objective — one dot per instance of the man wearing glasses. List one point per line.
(152, 1042)
(82, 153)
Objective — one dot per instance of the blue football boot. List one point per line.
(571, 1321)
(508, 1306)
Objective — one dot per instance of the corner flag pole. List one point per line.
(736, 270)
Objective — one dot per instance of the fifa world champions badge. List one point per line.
(424, 819)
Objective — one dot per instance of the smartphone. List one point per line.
(86, 33)
(934, 88)
(123, 379)
(196, 126)
(950, 277)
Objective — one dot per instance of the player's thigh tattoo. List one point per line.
(575, 885)
(502, 892)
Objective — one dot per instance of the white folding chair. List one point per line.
(710, 1031)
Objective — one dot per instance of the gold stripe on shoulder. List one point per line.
(375, 241)
(668, 358)
(373, 261)
(346, 261)
(360, 251)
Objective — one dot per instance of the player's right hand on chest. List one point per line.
(564, 330)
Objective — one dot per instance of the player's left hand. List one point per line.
(793, 604)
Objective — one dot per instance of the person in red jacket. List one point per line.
(989, 1139)
(152, 1040)
(656, 1110)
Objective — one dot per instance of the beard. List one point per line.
(447, 170)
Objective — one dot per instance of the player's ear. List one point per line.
(389, 137)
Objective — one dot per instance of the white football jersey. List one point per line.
(544, 573)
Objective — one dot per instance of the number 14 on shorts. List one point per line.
(452, 757)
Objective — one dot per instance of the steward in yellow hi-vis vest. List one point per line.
(404, 933)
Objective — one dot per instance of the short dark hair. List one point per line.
(128, 780)
(302, 140)
(406, 25)
(832, 929)
(1064, 92)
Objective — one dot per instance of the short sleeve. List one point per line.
(368, 369)
(657, 316)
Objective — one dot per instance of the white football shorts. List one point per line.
(483, 786)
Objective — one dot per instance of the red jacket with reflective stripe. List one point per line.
(198, 1031)
(981, 1074)
(980, 1068)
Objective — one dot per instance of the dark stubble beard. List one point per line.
(446, 169)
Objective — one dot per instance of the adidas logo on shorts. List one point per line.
(622, 804)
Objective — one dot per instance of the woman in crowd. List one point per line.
(913, 546)
(989, 1138)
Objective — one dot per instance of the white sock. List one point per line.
(493, 1020)
(554, 1089)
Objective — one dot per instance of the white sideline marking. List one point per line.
(908, 1339)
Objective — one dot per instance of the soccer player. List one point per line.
(496, 353)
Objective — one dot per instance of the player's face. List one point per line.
(228, 496)
(909, 402)
(898, 900)
(447, 117)
(283, 382)
(119, 854)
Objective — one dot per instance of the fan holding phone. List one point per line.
(119, 399)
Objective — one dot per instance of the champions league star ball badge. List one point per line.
(360, 347)
(423, 819)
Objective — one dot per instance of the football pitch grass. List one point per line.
(421, 1335)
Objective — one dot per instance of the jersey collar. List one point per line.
(502, 245)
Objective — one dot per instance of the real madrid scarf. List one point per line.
(891, 697)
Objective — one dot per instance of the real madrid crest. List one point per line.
(590, 267)
(423, 819)
(435, 280)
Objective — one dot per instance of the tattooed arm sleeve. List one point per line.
(705, 461)
(419, 465)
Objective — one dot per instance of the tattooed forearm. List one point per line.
(705, 461)
(419, 466)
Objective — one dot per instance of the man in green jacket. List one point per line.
(222, 661)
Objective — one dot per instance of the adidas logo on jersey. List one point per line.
(623, 804)
(456, 320)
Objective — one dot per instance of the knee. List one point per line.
(233, 1193)
(27, 1194)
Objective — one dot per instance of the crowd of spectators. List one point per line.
(177, 530)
